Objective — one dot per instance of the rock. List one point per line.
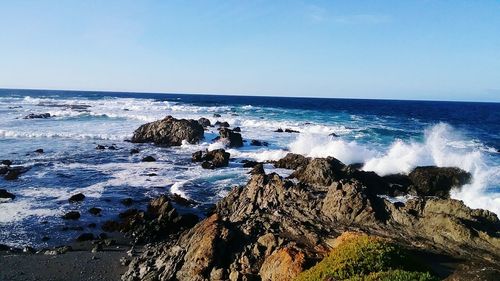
(279, 130)
(231, 138)
(134, 151)
(76, 198)
(95, 211)
(39, 150)
(100, 147)
(85, 237)
(320, 171)
(111, 226)
(249, 163)
(204, 122)
(258, 143)
(222, 124)
(58, 250)
(148, 159)
(283, 265)
(237, 129)
(291, 131)
(333, 135)
(112, 147)
(216, 115)
(4, 194)
(212, 159)
(127, 201)
(292, 161)
(37, 116)
(128, 213)
(45, 238)
(12, 174)
(437, 181)
(257, 169)
(72, 215)
(169, 132)
(6, 162)
(182, 201)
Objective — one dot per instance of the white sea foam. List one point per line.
(176, 188)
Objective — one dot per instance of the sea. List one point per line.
(388, 136)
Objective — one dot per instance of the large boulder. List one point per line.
(204, 122)
(169, 132)
(437, 181)
(231, 138)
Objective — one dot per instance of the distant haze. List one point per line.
(437, 50)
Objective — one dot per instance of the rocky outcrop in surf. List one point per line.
(212, 159)
(274, 228)
(169, 132)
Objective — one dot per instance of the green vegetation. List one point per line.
(366, 258)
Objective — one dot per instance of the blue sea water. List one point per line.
(388, 136)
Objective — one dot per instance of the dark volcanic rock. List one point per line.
(237, 129)
(13, 174)
(95, 211)
(4, 194)
(437, 181)
(291, 161)
(72, 215)
(100, 147)
(279, 130)
(6, 162)
(148, 159)
(76, 198)
(39, 150)
(134, 151)
(249, 163)
(169, 132)
(37, 116)
(204, 122)
(212, 159)
(231, 138)
(291, 131)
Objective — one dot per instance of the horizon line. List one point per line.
(237, 95)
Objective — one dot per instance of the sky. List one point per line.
(425, 49)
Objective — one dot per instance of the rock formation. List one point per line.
(169, 132)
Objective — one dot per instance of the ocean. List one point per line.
(388, 136)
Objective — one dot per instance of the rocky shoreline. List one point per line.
(277, 228)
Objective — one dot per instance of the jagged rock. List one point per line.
(148, 159)
(437, 181)
(291, 131)
(37, 116)
(6, 162)
(237, 129)
(212, 159)
(291, 161)
(169, 132)
(231, 138)
(320, 171)
(283, 265)
(273, 228)
(204, 122)
(4, 194)
(76, 198)
(257, 169)
(279, 130)
(72, 215)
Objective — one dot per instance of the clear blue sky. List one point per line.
(369, 49)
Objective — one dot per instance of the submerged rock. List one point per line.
(72, 215)
(148, 159)
(76, 198)
(169, 132)
(37, 116)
